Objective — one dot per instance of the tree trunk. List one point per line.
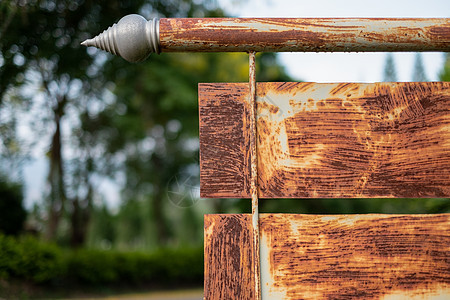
(81, 213)
(158, 215)
(56, 176)
(79, 223)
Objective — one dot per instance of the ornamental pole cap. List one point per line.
(132, 38)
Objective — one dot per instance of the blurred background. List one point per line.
(99, 174)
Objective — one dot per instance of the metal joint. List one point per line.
(152, 34)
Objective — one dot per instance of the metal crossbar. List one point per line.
(134, 38)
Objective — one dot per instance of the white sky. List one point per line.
(319, 67)
(337, 67)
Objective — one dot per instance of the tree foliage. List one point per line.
(43, 60)
(101, 116)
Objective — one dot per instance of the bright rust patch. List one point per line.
(355, 257)
(327, 140)
(303, 34)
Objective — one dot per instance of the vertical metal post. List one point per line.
(254, 173)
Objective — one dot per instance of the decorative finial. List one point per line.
(133, 38)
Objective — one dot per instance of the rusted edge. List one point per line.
(254, 172)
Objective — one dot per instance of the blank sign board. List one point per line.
(329, 257)
(316, 140)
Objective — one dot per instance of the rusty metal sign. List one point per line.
(300, 140)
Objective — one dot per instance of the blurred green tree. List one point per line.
(40, 52)
(137, 123)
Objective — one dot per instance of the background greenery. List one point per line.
(98, 117)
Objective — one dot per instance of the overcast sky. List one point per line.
(337, 67)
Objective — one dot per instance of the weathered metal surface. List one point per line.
(330, 257)
(225, 167)
(134, 38)
(355, 256)
(229, 260)
(304, 34)
(254, 171)
(327, 140)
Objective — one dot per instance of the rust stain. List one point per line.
(440, 32)
(355, 257)
(341, 140)
(303, 35)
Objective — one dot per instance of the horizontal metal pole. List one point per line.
(134, 38)
(304, 35)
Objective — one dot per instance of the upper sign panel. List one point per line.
(327, 140)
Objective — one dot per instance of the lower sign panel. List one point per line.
(330, 257)
(334, 140)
